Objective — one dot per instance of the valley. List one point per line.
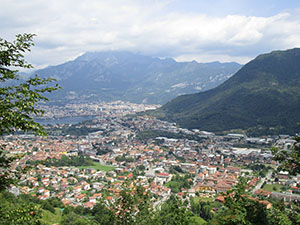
(81, 169)
(225, 154)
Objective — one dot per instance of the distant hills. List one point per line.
(263, 97)
(115, 75)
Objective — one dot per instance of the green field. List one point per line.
(50, 218)
(273, 187)
(99, 166)
(202, 199)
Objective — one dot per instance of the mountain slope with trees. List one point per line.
(263, 97)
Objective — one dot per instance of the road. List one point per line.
(160, 202)
(268, 176)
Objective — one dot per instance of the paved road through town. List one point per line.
(259, 185)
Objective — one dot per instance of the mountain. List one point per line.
(132, 77)
(263, 97)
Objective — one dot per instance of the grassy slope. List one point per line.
(50, 218)
(199, 220)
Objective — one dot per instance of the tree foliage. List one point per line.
(178, 182)
(133, 206)
(18, 99)
(204, 209)
(240, 208)
(175, 211)
(18, 211)
(7, 176)
(289, 159)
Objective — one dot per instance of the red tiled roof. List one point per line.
(163, 174)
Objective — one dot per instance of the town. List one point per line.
(118, 146)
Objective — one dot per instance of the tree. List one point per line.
(175, 211)
(132, 206)
(289, 159)
(102, 215)
(18, 210)
(240, 208)
(18, 99)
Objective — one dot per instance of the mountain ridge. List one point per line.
(133, 77)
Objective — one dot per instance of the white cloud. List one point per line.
(68, 28)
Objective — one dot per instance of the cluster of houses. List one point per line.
(98, 108)
(214, 162)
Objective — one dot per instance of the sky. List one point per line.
(186, 30)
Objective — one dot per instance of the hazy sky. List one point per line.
(202, 30)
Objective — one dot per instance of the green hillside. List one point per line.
(263, 97)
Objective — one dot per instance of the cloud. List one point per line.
(68, 28)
